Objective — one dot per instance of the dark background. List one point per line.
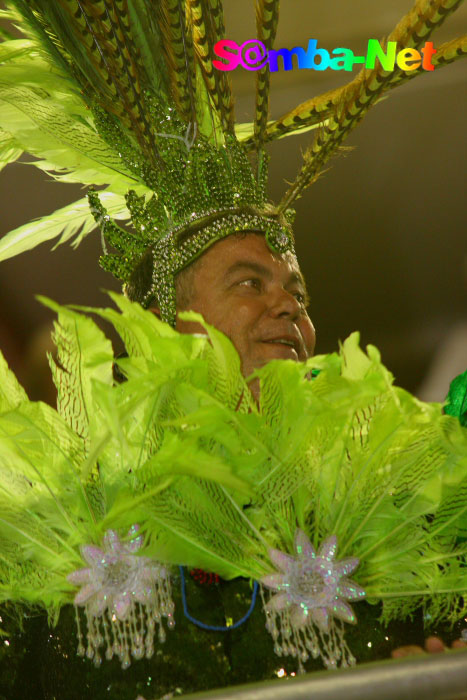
(381, 236)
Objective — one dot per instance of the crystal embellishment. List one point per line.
(306, 614)
(124, 596)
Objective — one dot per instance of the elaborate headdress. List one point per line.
(124, 93)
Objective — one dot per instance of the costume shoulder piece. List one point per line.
(333, 490)
(126, 95)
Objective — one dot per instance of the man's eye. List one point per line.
(251, 282)
(300, 297)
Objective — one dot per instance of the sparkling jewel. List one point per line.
(123, 595)
(305, 616)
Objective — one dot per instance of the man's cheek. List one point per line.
(189, 327)
(245, 315)
(309, 337)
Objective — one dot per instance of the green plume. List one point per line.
(214, 480)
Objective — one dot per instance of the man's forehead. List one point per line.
(249, 249)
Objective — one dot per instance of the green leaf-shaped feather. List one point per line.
(84, 355)
(347, 454)
(11, 391)
(9, 149)
(74, 220)
(42, 110)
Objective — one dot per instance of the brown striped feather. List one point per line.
(103, 26)
(267, 18)
(216, 13)
(360, 94)
(204, 38)
(176, 42)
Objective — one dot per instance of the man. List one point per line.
(258, 299)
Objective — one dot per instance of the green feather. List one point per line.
(148, 38)
(41, 37)
(73, 221)
(15, 49)
(347, 454)
(9, 149)
(11, 391)
(224, 368)
(44, 116)
(84, 356)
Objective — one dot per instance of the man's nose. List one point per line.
(283, 303)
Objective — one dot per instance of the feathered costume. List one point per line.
(331, 490)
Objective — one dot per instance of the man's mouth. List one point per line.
(291, 346)
(283, 342)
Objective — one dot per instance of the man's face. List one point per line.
(256, 298)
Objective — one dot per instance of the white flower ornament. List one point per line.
(311, 601)
(123, 595)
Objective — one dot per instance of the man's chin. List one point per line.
(263, 359)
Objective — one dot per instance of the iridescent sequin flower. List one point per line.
(124, 596)
(311, 601)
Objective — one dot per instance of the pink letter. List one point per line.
(232, 58)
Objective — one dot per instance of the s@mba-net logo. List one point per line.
(253, 55)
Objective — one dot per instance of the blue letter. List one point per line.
(311, 54)
(287, 58)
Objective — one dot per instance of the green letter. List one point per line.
(345, 62)
(375, 51)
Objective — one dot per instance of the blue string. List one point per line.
(215, 628)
